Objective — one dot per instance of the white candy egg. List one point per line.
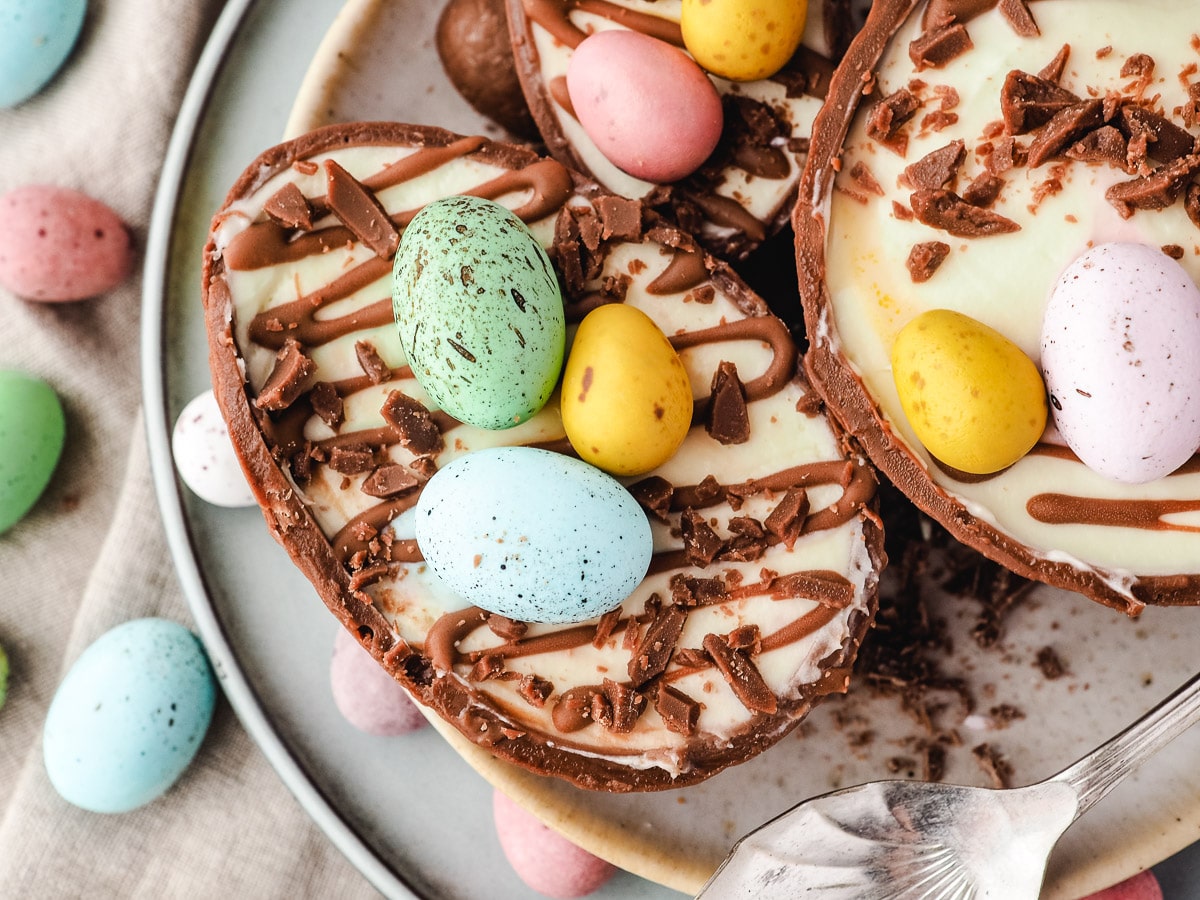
(204, 455)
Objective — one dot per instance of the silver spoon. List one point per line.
(912, 839)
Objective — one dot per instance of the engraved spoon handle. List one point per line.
(1093, 776)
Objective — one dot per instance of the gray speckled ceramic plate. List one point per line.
(403, 808)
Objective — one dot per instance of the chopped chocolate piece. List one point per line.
(994, 764)
(613, 288)
(743, 548)
(1065, 126)
(862, 176)
(1055, 68)
(601, 711)
(885, 117)
(700, 543)
(621, 218)
(288, 378)
(741, 675)
(1017, 13)
(936, 169)
(1028, 102)
(938, 120)
(360, 211)
(938, 46)
(983, 189)
(390, 480)
(654, 494)
(747, 527)
(656, 644)
(728, 420)
(535, 690)
(290, 208)
(416, 427)
(746, 637)
(1005, 714)
(1051, 665)
(925, 258)
(371, 362)
(679, 711)
(1103, 145)
(1006, 154)
(946, 210)
(1173, 250)
(1191, 203)
(1139, 66)
(705, 294)
(503, 626)
(606, 625)
(590, 231)
(626, 704)
(1167, 141)
(567, 251)
(787, 518)
(367, 575)
(708, 489)
(351, 460)
(688, 591)
(424, 467)
(487, 667)
(326, 403)
(1157, 190)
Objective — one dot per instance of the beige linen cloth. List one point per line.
(92, 554)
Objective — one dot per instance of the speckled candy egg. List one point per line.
(57, 244)
(972, 397)
(1120, 353)
(129, 716)
(645, 104)
(533, 535)
(366, 695)
(626, 398)
(36, 37)
(743, 40)
(204, 454)
(32, 431)
(479, 310)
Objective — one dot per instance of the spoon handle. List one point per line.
(1093, 776)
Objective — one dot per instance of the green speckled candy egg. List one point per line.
(479, 310)
(32, 428)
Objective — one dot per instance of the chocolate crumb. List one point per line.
(925, 258)
(1051, 665)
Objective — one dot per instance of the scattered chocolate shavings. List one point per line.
(1054, 69)
(1065, 127)
(939, 45)
(741, 675)
(613, 288)
(1103, 145)
(416, 428)
(983, 189)
(656, 644)
(951, 213)
(288, 379)
(1139, 66)
(728, 420)
(1050, 663)
(1028, 102)
(389, 480)
(654, 495)
(535, 690)
(290, 208)
(786, 520)
(688, 591)
(371, 362)
(1191, 203)
(1173, 250)
(1157, 190)
(861, 173)
(998, 769)
(887, 116)
(1165, 141)
(360, 211)
(901, 212)
(936, 169)
(679, 712)
(700, 543)
(326, 403)
(925, 258)
(1017, 14)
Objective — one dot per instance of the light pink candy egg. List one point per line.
(1142, 886)
(57, 244)
(204, 456)
(646, 105)
(1119, 355)
(369, 698)
(544, 859)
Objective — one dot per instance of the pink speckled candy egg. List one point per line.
(646, 105)
(58, 244)
(369, 698)
(1142, 886)
(544, 859)
(1119, 357)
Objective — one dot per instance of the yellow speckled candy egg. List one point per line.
(974, 399)
(626, 398)
(743, 40)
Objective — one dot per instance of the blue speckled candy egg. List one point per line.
(36, 37)
(533, 535)
(32, 431)
(129, 716)
(479, 310)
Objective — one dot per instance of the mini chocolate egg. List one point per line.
(533, 535)
(645, 104)
(129, 716)
(204, 454)
(1120, 341)
(57, 244)
(36, 37)
(974, 399)
(479, 310)
(32, 431)
(742, 40)
(626, 398)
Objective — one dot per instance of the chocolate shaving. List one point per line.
(1028, 101)
(290, 208)
(371, 362)
(728, 420)
(360, 211)
(936, 169)
(700, 543)
(1017, 14)
(951, 213)
(1065, 126)
(326, 403)
(924, 259)
(1157, 190)
(741, 675)
(679, 712)
(654, 495)
(786, 520)
(416, 428)
(288, 379)
(656, 645)
(863, 177)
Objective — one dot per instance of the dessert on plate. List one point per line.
(763, 548)
(998, 242)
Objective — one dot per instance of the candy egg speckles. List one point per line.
(479, 310)
(972, 397)
(58, 244)
(1119, 352)
(645, 104)
(533, 535)
(36, 37)
(32, 432)
(204, 456)
(742, 40)
(129, 716)
(626, 398)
